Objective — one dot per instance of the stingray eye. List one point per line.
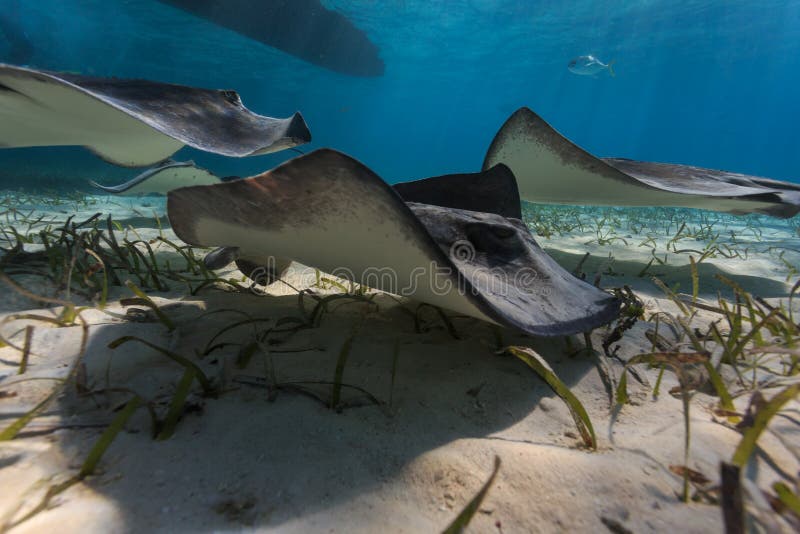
(503, 232)
(499, 241)
(490, 236)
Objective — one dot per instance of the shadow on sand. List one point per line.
(243, 459)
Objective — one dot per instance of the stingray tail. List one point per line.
(611, 68)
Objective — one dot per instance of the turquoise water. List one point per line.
(710, 83)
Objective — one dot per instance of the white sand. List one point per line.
(241, 462)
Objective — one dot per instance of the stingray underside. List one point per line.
(161, 179)
(552, 169)
(134, 122)
(328, 211)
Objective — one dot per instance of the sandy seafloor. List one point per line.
(250, 461)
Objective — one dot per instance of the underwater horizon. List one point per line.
(706, 83)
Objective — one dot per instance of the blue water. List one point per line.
(710, 83)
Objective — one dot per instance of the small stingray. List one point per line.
(162, 179)
(328, 211)
(551, 169)
(303, 28)
(134, 123)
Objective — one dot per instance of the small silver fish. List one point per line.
(589, 66)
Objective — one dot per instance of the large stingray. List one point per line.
(134, 122)
(493, 191)
(552, 169)
(161, 179)
(329, 211)
(303, 28)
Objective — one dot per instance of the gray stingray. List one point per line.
(552, 169)
(134, 122)
(304, 28)
(493, 191)
(161, 179)
(328, 211)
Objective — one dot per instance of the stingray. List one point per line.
(161, 179)
(134, 123)
(303, 28)
(494, 190)
(327, 210)
(552, 169)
